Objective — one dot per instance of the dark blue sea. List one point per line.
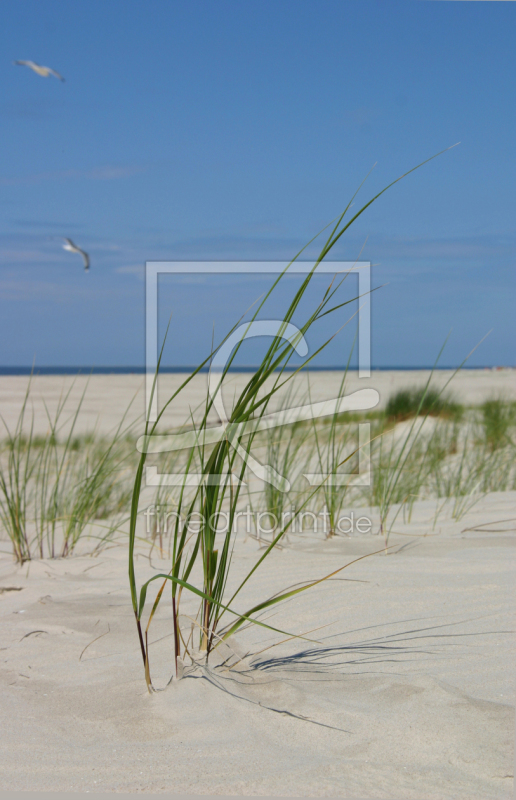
(186, 370)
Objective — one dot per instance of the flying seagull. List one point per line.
(72, 248)
(43, 71)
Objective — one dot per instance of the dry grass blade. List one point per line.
(95, 640)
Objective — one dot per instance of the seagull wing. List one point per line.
(43, 71)
(56, 74)
(72, 248)
(85, 258)
(37, 68)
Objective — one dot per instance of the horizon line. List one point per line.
(141, 370)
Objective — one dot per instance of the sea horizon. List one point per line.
(140, 370)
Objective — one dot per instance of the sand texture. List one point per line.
(403, 686)
(409, 695)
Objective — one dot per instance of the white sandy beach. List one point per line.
(108, 397)
(409, 693)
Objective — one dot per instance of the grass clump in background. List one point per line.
(54, 486)
(408, 403)
(498, 417)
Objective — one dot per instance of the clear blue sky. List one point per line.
(235, 130)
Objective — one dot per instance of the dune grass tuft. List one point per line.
(408, 403)
(53, 486)
(201, 549)
(498, 417)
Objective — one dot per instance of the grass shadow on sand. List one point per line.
(274, 683)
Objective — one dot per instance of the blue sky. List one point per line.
(233, 130)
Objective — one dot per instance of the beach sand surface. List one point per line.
(108, 397)
(409, 692)
(403, 686)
